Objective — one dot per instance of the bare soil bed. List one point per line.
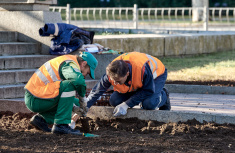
(129, 135)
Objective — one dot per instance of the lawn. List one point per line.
(205, 67)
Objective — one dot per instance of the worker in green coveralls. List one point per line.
(51, 90)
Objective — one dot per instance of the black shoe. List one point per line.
(64, 129)
(167, 105)
(92, 33)
(40, 123)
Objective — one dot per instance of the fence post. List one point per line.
(135, 16)
(68, 14)
(206, 15)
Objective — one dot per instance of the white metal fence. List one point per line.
(182, 18)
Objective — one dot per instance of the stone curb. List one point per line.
(106, 113)
(197, 89)
(200, 89)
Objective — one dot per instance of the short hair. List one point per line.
(80, 60)
(117, 69)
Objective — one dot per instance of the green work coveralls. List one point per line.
(59, 109)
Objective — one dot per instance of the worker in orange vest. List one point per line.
(51, 90)
(137, 78)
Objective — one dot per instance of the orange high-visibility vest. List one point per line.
(138, 61)
(45, 82)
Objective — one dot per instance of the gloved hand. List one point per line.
(73, 121)
(83, 101)
(120, 109)
(72, 124)
(83, 104)
(78, 110)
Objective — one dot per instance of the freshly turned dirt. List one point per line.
(118, 135)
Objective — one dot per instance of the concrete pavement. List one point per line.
(218, 108)
(204, 103)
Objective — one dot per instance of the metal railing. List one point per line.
(181, 18)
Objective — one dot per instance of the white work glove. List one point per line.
(72, 124)
(83, 101)
(73, 121)
(78, 110)
(120, 109)
(83, 105)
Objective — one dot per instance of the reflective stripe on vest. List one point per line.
(154, 71)
(50, 71)
(45, 82)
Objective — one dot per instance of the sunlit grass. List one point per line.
(207, 67)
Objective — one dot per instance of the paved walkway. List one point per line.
(203, 103)
(217, 108)
(202, 107)
(188, 103)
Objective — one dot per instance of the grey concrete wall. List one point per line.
(103, 61)
(146, 43)
(27, 23)
(23, 7)
(169, 45)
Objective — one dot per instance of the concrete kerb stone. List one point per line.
(193, 89)
(199, 89)
(106, 113)
(13, 106)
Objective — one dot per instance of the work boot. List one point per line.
(39, 122)
(167, 105)
(64, 129)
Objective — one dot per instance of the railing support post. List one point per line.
(68, 14)
(206, 15)
(135, 16)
